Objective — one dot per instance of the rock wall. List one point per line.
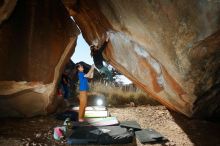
(168, 48)
(6, 8)
(36, 41)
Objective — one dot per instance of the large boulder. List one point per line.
(36, 42)
(171, 49)
(168, 48)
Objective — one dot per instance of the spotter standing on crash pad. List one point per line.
(83, 88)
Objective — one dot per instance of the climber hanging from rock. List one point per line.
(98, 59)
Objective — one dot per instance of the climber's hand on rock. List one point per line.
(107, 38)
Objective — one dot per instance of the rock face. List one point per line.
(36, 41)
(6, 8)
(168, 48)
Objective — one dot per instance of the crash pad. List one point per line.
(130, 124)
(101, 135)
(150, 136)
(93, 111)
(98, 122)
(84, 135)
(96, 114)
(91, 108)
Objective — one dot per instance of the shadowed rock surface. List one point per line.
(36, 42)
(168, 48)
(6, 8)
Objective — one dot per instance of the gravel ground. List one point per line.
(180, 130)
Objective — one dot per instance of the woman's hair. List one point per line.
(76, 71)
(78, 65)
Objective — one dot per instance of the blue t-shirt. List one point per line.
(83, 82)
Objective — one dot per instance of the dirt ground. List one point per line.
(180, 130)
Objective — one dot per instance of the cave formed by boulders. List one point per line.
(170, 49)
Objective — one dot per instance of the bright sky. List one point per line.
(82, 52)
